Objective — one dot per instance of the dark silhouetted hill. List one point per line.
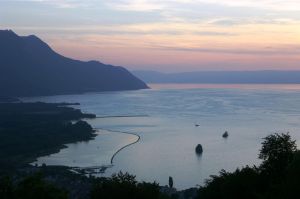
(29, 67)
(222, 77)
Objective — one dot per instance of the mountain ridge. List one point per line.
(222, 77)
(30, 67)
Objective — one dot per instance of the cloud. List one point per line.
(150, 5)
(137, 5)
(64, 3)
(229, 12)
(280, 50)
(227, 21)
(278, 5)
(136, 29)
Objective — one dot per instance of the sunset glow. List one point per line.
(171, 35)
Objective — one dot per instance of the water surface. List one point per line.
(165, 118)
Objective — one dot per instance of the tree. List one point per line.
(170, 182)
(34, 187)
(289, 186)
(123, 186)
(6, 188)
(277, 152)
(278, 177)
(241, 184)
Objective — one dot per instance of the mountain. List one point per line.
(222, 77)
(29, 67)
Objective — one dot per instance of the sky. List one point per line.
(165, 35)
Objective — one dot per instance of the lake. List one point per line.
(165, 117)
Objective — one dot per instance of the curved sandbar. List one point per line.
(118, 151)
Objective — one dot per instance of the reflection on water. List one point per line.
(94, 153)
(165, 118)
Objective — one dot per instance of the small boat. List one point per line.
(197, 125)
(225, 135)
(199, 149)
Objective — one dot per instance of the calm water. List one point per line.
(165, 118)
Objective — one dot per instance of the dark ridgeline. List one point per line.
(5, 99)
(29, 67)
(221, 77)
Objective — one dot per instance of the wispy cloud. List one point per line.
(137, 5)
(64, 3)
(227, 21)
(271, 51)
(136, 29)
(230, 12)
(189, 30)
(150, 5)
(278, 5)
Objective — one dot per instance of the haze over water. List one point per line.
(165, 118)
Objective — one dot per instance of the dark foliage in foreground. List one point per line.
(38, 186)
(123, 185)
(33, 187)
(278, 177)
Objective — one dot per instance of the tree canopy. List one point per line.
(278, 176)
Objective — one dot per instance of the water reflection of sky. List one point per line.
(165, 120)
(97, 152)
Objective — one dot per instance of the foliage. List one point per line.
(171, 182)
(239, 184)
(30, 130)
(278, 177)
(125, 186)
(277, 152)
(6, 188)
(33, 187)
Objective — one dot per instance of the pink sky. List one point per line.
(170, 35)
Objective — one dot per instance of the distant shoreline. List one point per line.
(224, 86)
(221, 77)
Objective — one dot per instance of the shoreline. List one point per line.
(102, 168)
